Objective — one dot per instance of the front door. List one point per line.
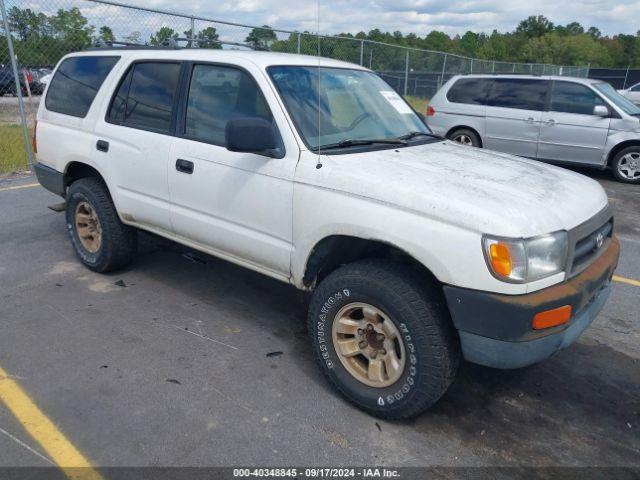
(513, 114)
(237, 205)
(570, 132)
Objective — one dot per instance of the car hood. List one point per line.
(477, 189)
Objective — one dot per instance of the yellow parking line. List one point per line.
(44, 431)
(629, 281)
(18, 187)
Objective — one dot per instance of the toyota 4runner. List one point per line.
(417, 250)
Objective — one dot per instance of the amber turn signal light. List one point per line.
(500, 259)
(552, 318)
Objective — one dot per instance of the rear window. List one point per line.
(76, 83)
(145, 97)
(518, 93)
(472, 91)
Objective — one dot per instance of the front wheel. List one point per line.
(383, 338)
(626, 165)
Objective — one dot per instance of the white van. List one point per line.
(415, 250)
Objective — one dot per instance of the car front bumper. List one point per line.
(496, 330)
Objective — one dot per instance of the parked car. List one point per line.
(7, 82)
(415, 249)
(575, 121)
(632, 93)
(41, 77)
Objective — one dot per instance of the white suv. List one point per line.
(416, 250)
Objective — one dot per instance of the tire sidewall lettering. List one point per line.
(376, 397)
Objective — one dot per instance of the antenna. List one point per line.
(319, 164)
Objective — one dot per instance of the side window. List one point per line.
(518, 93)
(216, 95)
(570, 97)
(151, 96)
(76, 83)
(472, 91)
(116, 111)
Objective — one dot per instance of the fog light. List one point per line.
(552, 318)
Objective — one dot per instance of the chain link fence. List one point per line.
(42, 32)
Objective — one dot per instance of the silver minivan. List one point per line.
(562, 120)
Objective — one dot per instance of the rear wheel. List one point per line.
(465, 136)
(101, 241)
(626, 165)
(383, 338)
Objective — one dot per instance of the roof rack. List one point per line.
(169, 44)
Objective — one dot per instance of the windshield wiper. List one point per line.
(415, 134)
(367, 141)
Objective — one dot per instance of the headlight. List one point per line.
(526, 260)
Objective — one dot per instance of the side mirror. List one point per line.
(601, 111)
(251, 135)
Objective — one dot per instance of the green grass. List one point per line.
(13, 156)
(419, 104)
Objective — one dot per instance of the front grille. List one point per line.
(587, 248)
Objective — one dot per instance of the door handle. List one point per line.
(530, 120)
(551, 122)
(184, 166)
(102, 146)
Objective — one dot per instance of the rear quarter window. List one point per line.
(76, 83)
(471, 91)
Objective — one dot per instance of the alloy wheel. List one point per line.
(369, 345)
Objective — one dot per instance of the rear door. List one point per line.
(135, 138)
(570, 132)
(513, 115)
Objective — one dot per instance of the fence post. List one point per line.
(298, 43)
(192, 44)
(406, 74)
(444, 68)
(16, 79)
(361, 52)
(493, 67)
(471, 68)
(626, 75)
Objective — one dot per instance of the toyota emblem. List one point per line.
(599, 240)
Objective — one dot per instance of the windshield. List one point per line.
(348, 108)
(618, 100)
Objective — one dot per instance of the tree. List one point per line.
(72, 28)
(261, 37)
(573, 28)
(163, 35)
(106, 34)
(26, 23)
(594, 33)
(207, 38)
(533, 26)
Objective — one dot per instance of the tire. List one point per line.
(626, 165)
(466, 137)
(419, 314)
(90, 212)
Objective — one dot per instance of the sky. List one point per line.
(411, 16)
